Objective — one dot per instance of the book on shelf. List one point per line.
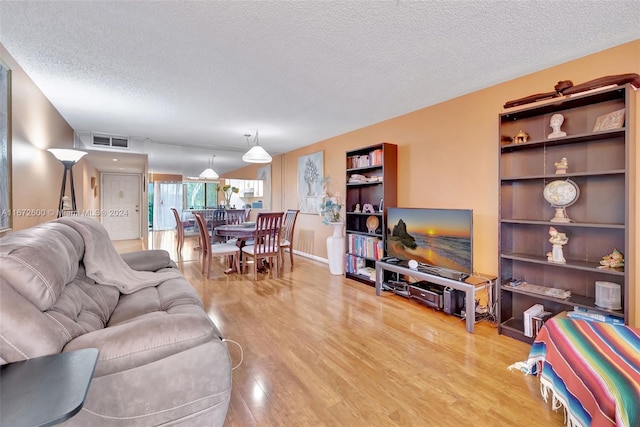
(538, 320)
(369, 272)
(528, 318)
(373, 158)
(365, 246)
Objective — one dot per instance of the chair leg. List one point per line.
(236, 258)
(291, 255)
(255, 268)
(277, 264)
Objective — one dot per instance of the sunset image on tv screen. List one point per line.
(439, 237)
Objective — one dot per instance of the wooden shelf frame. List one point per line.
(601, 166)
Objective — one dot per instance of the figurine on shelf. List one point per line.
(558, 240)
(520, 137)
(555, 123)
(614, 259)
(357, 208)
(561, 166)
(368, 208)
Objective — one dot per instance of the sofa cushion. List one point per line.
(40, 261)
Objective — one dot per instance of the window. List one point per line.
(200, 195)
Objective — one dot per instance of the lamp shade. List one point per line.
(67, 155)
(208, 173)
(256, 154)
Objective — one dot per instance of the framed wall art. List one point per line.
(609, 121)
(5, 147)
(264, 174)
(310, 173)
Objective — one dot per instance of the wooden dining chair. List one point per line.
(266, 242)
(210, 250)
(181, 232)
(286, 234)
(236, 216)
(219, 217)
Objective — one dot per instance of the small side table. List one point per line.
(47, 390)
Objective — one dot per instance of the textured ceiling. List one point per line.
(177, 74)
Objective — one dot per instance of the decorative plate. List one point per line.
(372, 223)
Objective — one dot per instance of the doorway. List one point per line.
(121, 202)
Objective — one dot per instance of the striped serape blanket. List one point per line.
(591, 369)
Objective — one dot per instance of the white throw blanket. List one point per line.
(104, 265)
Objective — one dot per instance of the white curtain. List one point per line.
(166, 195)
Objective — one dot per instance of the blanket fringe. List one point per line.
(557, 402)
(523, 367)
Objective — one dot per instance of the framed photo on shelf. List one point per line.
(310, 173)
(609, 121)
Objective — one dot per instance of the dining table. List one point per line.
(241, 232)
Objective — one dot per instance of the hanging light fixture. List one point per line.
(209, 173)
(256, 154)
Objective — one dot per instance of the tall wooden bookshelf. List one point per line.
(600, 165)
(371, 181)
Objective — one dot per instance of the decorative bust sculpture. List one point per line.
(555, 123)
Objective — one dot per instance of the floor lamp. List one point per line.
(68, 158)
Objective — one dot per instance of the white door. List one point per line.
(121, 205)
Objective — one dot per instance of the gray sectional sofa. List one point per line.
(161, 359)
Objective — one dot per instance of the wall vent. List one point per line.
(109, 141)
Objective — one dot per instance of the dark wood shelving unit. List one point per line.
(600, 165)
(363, 247)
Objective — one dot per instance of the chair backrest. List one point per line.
(236, 216)
(267, 234)
(179, 226)
(289, 224)
(219, 215)
(205, 239)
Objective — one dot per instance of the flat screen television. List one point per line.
(438, 237)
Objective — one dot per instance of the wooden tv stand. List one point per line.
(469, 286)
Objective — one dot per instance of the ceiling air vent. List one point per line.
(110, 141)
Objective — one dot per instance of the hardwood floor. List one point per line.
(321, 350)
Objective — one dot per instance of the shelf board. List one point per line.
(565, 175)
(572, 301)
(360, 278)
(365, 168)
(363, 257)
(564, 224)
(364, 184)
(571, 139)
(571, 264)
(364, 233)
(514, 328)
(364, 213)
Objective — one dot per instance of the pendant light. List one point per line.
(256, 154)
(209, 173)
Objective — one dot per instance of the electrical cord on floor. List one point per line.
(241, 352)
